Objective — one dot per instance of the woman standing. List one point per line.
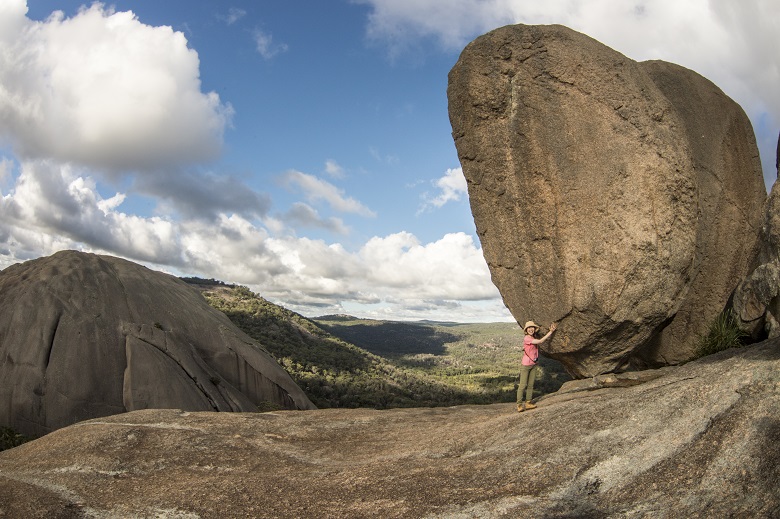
(528, 367)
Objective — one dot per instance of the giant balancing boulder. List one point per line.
(85, 336)
(622, 199)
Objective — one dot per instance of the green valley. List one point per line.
(343, 361)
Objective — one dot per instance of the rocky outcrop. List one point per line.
(756, 304)
(756, 301)
(698, 440)
(85, 336)
(607, 193)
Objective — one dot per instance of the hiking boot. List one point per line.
(521, 407)
(529, 405)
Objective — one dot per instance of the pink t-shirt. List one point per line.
(531, 352)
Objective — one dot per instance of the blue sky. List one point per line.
(301, 148)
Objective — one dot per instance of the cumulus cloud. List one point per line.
(316, 189)
(303, 215)
(97, 96)
(98, 108)
(450, 268)
(193, 194)
(398, 23)
(390, 277)
(103, 89)
(457, 22)
(398, 277)
(452, 187)
(51, 200)
(233, 249)
(52, 207)
(731, 43)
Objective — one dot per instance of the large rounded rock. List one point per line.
(85, 336)
(621, 198)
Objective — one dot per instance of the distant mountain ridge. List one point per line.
(335, 317)
(347, 317)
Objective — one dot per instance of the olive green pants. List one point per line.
(527, 379)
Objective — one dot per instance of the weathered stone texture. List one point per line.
(698, 440)
(84, 336)
(756, 302)
(606, 192)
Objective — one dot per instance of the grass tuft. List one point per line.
(724, 333)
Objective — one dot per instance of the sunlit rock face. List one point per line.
(622, 199)
(85, 336)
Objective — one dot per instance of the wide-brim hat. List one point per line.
(529, 324)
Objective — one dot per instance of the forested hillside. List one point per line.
(346, 362)
(480, 357)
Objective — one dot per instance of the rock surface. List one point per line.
(606, 193)
(84, 336)
(756, 302)
(698, 440)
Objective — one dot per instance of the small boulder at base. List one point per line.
(623, 199)
(85, 336)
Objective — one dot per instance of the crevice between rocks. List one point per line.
(189, 375)
(52, 337)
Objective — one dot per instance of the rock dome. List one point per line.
(85, 336)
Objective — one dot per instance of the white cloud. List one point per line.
(195, 194)
(452, 187)
(391, 277)
(264, 43)
(91, 98)
(234, 15)
(450, 268)
(466, 311)
(110, 204)
(399, 23)
(731, 43)
(316, 189)
(333, 169)
(50, 200)
(52, 207)
(232, 249)
(104, 90)
(303, 215)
